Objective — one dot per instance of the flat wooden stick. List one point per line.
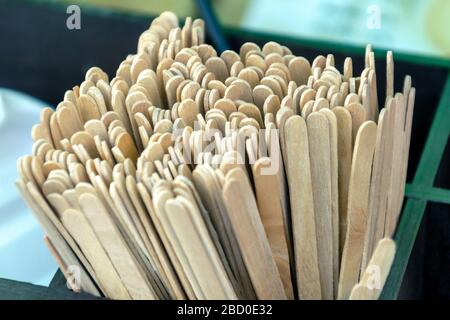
(407, 116)
(216, 184)
(214, 202)
(358, 114)
(79, 228)
(192, 235)
(395, 197)
(156, 249)
(159, 200)
(344, 126)
(184, 186)
(332, 124)
(319, 151)
(375, 190)
(358, 201)
(173, 281)
(244, 217)
(407, 135)
(63, 242)
(373, 94)
(302, 208)
(269, 204)
(181, 255)
(128, 213)
(130, 272)
(273, 143)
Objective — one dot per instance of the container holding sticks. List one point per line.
(194, 175)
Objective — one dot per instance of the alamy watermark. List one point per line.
(374, 278)
(73, 278)
(373, 21)
(238, 146)
(73, 21)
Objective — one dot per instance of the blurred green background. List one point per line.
(408, 26)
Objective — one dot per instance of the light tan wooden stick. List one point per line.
(159, 201)
(358, 198)
(395, 192)
(319, 151)
(79, 228)
(62, 241)
(214, 202)
(269, 204)
(407, 135)
(163, 255)
(302, 209)
(375, 190)
(192, 236)
(344, 125)
(130, 272)
(247, 226)
(332, 124)
(388, 128)
(401, 159)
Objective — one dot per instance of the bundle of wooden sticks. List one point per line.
(250, 175)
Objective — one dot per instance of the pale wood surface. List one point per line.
(250, 234)
(302, 209)
(358, 201)
(319, 150)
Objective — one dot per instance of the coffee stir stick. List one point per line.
(272, 218)
(302, 208)
(249, 231)
(319, 150)
(332, 124)
(357, 208)
(344, 134)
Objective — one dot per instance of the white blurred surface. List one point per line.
(23, 254)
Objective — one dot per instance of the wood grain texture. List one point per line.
(358, 202)
(375, 190)
(214, 203)
(302, 209)
(80, 230)
(61, 239)
(246, 223)
(319, 151)
(332, 124)
(395, 197)
(267, 187)
(173, 283)
(201, 255)
(388, 128)
(344, 128)
(129, 270)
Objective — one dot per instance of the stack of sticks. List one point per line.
(250, 175)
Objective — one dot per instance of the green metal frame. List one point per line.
(419, 192)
